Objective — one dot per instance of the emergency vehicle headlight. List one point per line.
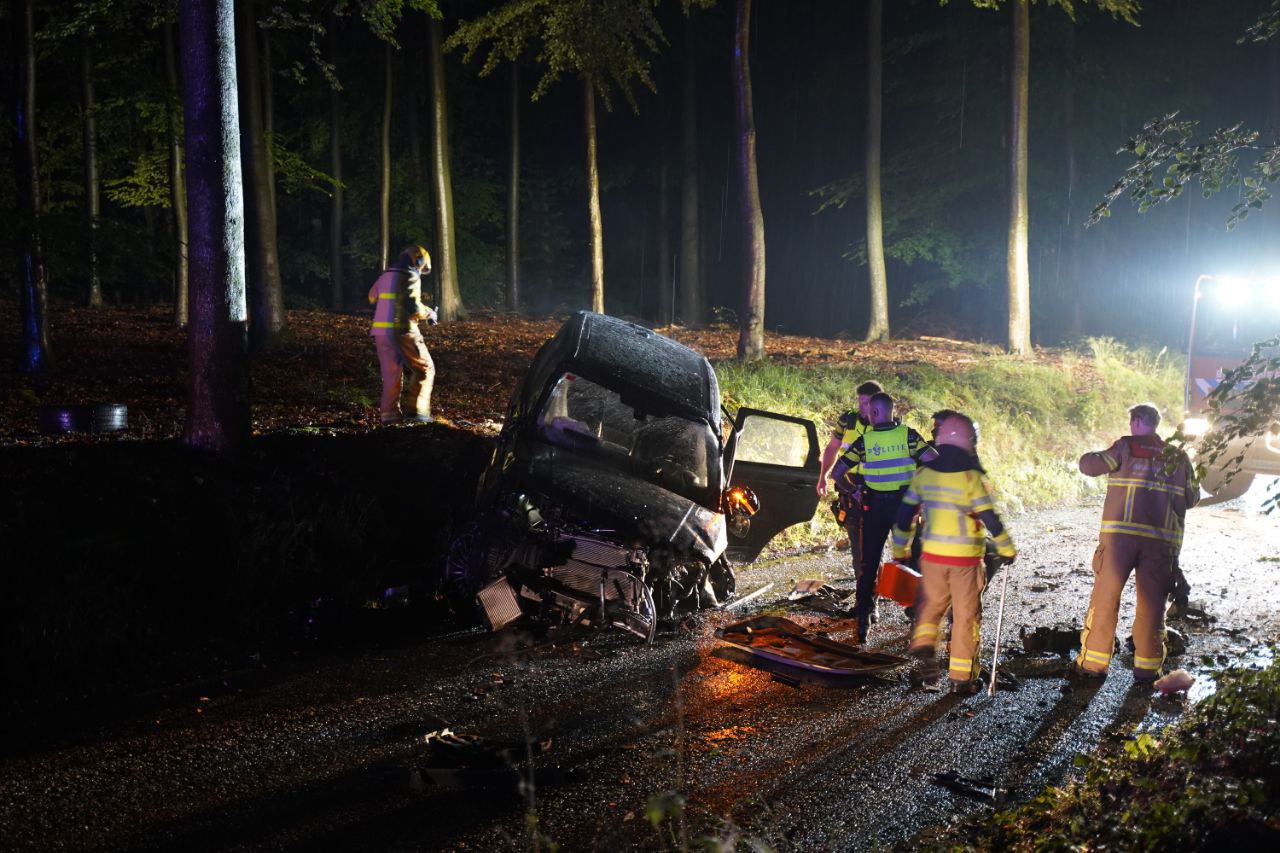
(1195, 427)
(1234, 292)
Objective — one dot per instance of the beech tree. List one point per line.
(446, 267)
(36, 356)
(217, 332)
(751, 323)
(878, 328)
(606, 44)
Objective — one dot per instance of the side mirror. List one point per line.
(740, 504)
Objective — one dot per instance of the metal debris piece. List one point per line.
(805, 588)
(749, 596)
(983, 789)
(781, 641)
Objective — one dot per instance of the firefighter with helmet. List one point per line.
(1148, 494)
(951, 493)
(397, 300)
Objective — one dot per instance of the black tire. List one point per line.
(109, 417)
(59, 420)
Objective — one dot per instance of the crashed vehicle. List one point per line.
(617, 493)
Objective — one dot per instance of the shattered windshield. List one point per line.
(674, 452)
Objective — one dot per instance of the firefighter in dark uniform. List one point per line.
(878, 466)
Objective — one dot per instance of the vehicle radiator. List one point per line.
(592, 560)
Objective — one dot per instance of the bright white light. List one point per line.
(1195, 427)
(1233, 291)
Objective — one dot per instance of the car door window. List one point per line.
(770, 441)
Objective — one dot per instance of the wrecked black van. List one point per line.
(619, 491)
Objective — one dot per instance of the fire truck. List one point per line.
(1229, 315)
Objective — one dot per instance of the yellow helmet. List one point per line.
(418, 257)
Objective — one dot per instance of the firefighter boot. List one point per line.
(926, 669)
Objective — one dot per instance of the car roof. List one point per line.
(623, 353)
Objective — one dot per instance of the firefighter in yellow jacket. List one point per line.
(1148, 495)
(955, 507)
(397, 300)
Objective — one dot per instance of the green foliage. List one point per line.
(146, 186)
(294, 173)
(609, 41)
(1166, 159)
(1213, 775)
(1126, 10)
(1035, 419)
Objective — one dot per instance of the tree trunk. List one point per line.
(446, 266)
(691, 296)
(92, 206)
(1016, 259)
(513, 196)
(1070, 288)
(751, 323)
(336, 295)
(593, 195)
(666, 300)
(266, 290)
(878, 328)
(36, 355)
(177, 188)
(415, 149)
(269, 120)
(218, 376)
(384, 182)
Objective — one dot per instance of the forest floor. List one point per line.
(323, 375)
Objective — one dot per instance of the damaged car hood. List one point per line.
(618, 498)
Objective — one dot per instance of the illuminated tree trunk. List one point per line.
(36, 356)
(92, 204)
(446, 266)
(751, 323)
(513, 196)
(691, 298)
(384, 181)
(177, 188)
(1019, 276)
(337, 298)
(593, 195)
(218, 387)
(266, 289)
(878, 329)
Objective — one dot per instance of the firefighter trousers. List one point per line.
(1152, 563)
(960, 589)
(397, 355)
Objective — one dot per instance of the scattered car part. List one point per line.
(1177, 680)
(458, 759)
(982, 789)
(781, 640)
(749, 597)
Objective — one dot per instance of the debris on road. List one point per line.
(749, 597)
(805, 588)
(982, 789)
(781, 641)
(458, 759)
(1177, 680)
(1175, 643)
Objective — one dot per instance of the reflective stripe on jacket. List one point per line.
(397, 302)
(1147, 495)
(886, 456)
(951, 503)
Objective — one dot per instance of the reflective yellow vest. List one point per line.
(950, 503)
(886, 463)
(851, 435)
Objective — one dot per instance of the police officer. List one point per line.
(878, 465)
(1148, 495)
(951, 492)
(847, 429)
(397, 300)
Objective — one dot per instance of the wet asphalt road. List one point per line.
(328, 754)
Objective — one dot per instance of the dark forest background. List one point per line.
(1094, 83)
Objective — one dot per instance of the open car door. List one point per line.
(777, 456)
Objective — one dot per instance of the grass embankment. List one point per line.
(1209, 782)
(1035, 417)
